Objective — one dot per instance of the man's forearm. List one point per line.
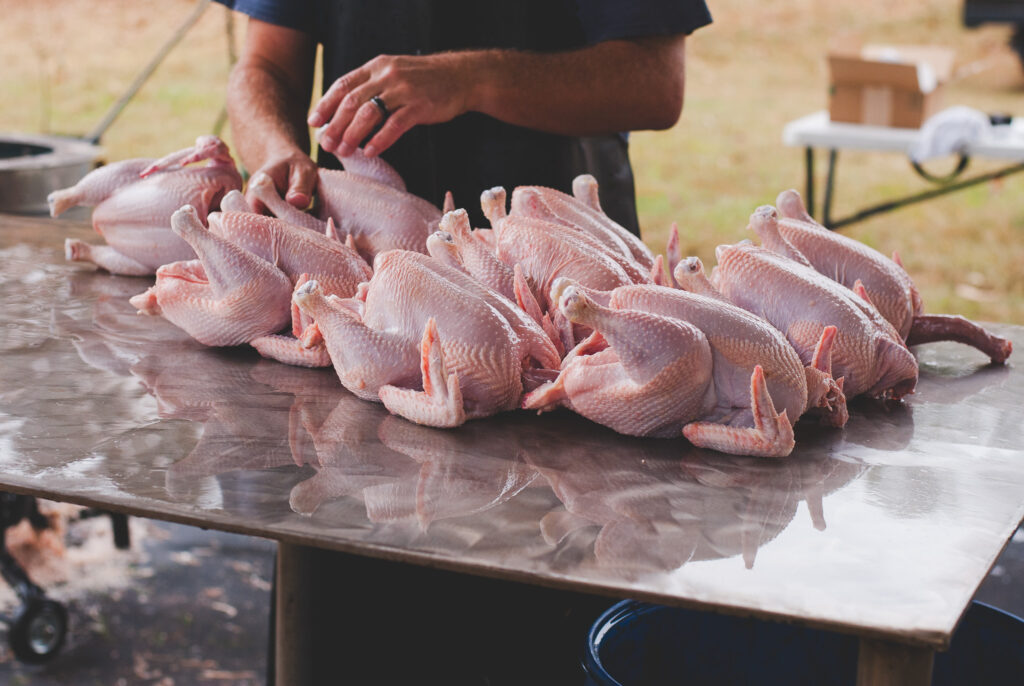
(268, 118)
(618, 85)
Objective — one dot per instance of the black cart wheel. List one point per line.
(38, 632)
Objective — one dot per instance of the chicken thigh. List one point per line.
(134, 201)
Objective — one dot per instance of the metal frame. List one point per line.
(946, 186)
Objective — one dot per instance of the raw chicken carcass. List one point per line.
(430, 350)
(294, 250)
(228, 296)
(656, 378)
(582, 212)
(546, 251)
(882, 281)
(302, 255)
(542, 352)
(590, 225)
(868, 352)
(458, 245)
(134, 201)
(740, 341)
(368, 201)
(525, 318)
(825, 396)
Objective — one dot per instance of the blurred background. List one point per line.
(759, 66)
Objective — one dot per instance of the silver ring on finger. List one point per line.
(381, 107)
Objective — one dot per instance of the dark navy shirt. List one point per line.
(474, 152)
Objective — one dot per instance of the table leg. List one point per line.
(830, 180)
(809, 180)
(346, 618)
(294, 607)
(884, 663)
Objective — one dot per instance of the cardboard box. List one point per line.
(887, 85)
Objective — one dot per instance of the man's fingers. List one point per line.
(396, 125)
(324, 110)
(301, 182)
(366, 119)
(331, 135)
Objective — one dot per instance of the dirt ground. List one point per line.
(182, 606)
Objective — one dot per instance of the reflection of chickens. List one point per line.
(764, 496)
(655, 513)
(403, 471)
(462, 472)
(345, 452)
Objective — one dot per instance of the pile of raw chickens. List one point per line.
(554, 305)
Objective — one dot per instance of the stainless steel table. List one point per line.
(883, 530)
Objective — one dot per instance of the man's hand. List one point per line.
(292, 170)
(425, 89)
(268, 92)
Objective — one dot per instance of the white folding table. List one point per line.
(1006, 142)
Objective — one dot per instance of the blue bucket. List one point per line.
(639, 644)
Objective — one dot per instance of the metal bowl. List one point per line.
(31, 166)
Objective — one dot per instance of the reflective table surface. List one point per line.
(884, 529)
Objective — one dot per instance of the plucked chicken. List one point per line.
(368, 201)
(546, 251)
(883, 281)
(656, 378)
(228, 296)
(429, 349)
(582, 211)
(740, 341)
(868, 353)
(134, 201)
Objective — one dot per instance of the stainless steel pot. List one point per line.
(31, 166)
